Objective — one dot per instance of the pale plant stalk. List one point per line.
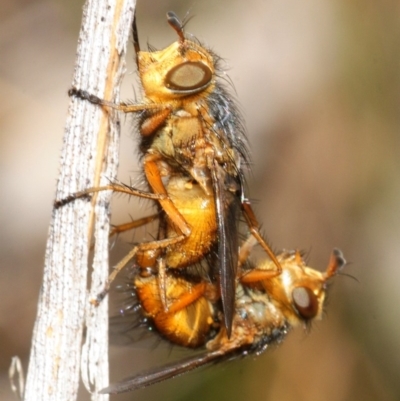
(89, 158)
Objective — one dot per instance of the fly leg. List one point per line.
(161, 112)
(147, 246)
(255, 232)
(188, 298)
(153, 176)
(255, 275)
(154, 179)
(162, 283)
(111, 187)
(121, 228)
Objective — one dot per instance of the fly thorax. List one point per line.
(264, 313)
(163, 143)
(186, 129)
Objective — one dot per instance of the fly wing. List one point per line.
(168, 371)
(227, 208)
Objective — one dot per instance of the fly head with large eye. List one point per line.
(182, 69)
(299, 291)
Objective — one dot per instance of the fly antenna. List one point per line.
(176, 24)
(336, 263)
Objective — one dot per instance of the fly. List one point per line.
(266, 308)
(194, 152)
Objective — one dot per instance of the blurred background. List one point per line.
(318, 85)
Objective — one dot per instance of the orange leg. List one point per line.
(255, 231)
(120, 228)
(188, 298)
(162, 283)
(130, 226)
(255, 275)
(122, 263)
(154, 178)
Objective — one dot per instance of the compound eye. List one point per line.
(189, 77)
(305, 302)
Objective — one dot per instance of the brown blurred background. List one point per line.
(318, 84)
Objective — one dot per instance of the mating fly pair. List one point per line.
(194, 151)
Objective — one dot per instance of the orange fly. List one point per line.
(265, 310)
(194, 153)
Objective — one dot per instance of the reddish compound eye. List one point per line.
(305, 302)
